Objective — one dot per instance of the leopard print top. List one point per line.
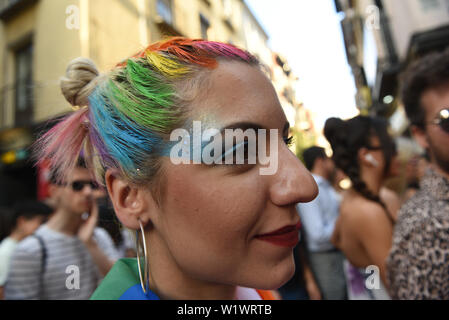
(418, 264)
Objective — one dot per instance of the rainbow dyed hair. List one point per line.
(131, 111)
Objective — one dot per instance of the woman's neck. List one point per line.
(169, 281)
(65, 222)
(373, 181)
(17, 235)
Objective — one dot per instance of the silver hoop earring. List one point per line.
(144, 280)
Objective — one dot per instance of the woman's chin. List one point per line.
(277, 277)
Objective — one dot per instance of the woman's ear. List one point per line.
(361, 156)
(54, 194)
(131, 203)
(366, 158)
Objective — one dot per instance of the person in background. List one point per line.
(68, 256)
(388, 196)
(129, 243)
(415, 171)
(363, 149)
(25, 218)
(418, 267)
(302, 286)
(336, 181)
(318, 218)
(123, 239)
(391, 200)
(5, 222)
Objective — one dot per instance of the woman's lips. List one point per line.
(285, 237)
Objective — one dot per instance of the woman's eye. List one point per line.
(242, 155)
(238, 153)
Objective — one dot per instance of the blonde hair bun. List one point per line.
(78, 82)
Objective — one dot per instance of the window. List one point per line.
(164, 9)
(24, 85)
(204, 26)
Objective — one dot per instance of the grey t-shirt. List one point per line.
(70, 272)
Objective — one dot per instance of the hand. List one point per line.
(87, 228)
(312, 290)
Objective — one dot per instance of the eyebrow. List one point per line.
(251, 125)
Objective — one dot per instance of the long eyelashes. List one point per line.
(289, 141)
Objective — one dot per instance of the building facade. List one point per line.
(38, 38)
(382, 37)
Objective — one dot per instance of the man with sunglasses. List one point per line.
(418, 265)
(68, 256)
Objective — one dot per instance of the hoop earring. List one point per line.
(144, 281)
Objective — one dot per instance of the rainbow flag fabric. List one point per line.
(122, 283)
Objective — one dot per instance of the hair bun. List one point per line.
(333, 129)
(79, 82)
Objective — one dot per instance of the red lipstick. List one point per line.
(285, 237)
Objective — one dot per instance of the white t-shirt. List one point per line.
(129, 242)
(7, 247)
(70, 272)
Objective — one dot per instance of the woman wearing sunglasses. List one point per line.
(363, 150)
(204, 230)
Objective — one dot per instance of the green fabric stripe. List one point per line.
(120, 278)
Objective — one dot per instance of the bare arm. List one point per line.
(311, 286)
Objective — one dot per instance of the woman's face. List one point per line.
(381, 161)
(210, 215)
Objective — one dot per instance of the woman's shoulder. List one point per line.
(358, 210)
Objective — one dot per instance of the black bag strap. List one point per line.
(44, 252)
(44, 259)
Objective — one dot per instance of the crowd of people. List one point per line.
(198, 229)
(43, 241)
(404, 236)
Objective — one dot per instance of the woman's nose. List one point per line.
(292, 183)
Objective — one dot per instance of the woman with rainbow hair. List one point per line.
(204, 231)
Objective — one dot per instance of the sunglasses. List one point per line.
(374, 148)
(442, 120)
(79, 185)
